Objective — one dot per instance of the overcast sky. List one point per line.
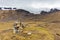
(31, 5)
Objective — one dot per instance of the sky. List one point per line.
(34, 6)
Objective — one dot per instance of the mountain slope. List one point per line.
(53, 17)
(20, 14)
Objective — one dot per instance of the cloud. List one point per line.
(45, 5)
(27, 3)
(32, 5)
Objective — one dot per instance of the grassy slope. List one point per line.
(38, 32)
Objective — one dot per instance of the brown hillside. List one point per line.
(20, 14)
(6, 15)
(52, 17)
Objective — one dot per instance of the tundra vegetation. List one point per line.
(43, 26)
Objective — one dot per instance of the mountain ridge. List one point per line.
(24, 15)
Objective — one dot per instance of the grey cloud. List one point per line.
(25, 4)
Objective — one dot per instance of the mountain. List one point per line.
(20, 14)
(52, 17)
(6, 15)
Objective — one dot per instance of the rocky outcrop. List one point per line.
(51, 11)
